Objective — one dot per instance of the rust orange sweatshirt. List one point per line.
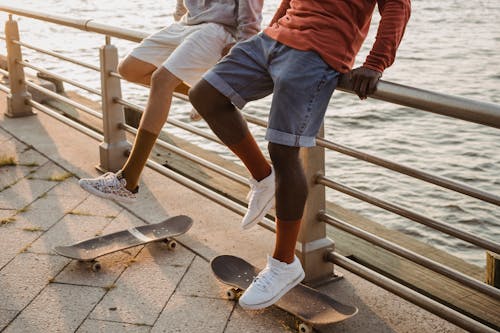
(336, 29)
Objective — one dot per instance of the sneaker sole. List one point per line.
(275, 298)
(259, 217)
(100, 194)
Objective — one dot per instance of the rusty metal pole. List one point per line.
(313, 243)
(113, 149)
(17, 105)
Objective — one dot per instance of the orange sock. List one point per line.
(286, 237)
(143, 144)
(250, 154)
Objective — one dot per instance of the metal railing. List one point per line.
(315, 249)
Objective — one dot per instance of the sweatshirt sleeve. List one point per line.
(249, 18)
(280, 12)
(394, 17)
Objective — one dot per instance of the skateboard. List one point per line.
(91, 249)
(306, 304)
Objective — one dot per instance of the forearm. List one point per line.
(394, 17)
(280, 12)
(249, 18)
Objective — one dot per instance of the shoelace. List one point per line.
(254, 188)
(108, 180)
(266, 277)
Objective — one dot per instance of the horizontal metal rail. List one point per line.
(58, 55)
(446, 105)
(434, 224)
(412, 256)
(82, 24)
(214, 167)
(65, 100)
(415, 173)
(79, 127)
(174, 122)
(4, 72)
(4, 89)
(410, 295)
(61, 78)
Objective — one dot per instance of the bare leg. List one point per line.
(138, 71)
(291, 195)
(163, 84)
(222, 117)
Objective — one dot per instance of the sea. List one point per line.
(450, 46)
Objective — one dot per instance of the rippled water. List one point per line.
(450, 46)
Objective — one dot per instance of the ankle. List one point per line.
(288, 259)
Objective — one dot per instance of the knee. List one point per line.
(206, 99)
(127, 72)
(163, 80)
(283, 156)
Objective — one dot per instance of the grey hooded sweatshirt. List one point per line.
(242, 18)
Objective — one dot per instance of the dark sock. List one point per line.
(250, 154)
(143, 144)
(286, 237)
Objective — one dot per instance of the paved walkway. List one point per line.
(146, 289)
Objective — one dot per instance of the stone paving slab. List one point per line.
(6, 317)
(24, 193)
(45, 212)
(145, 287)
(4, 136)
(93, 326)
(58, 308)
(189, 314)
(95, 206)
(51, 172)
(25, 276)
(69, 188)
(14, 240)
(9, 175)
(264, 321)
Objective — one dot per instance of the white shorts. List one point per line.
(187, 51)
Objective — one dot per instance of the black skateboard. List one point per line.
(91, 249)
(310, 306)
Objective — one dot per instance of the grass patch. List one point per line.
(109, 287)
(23, 210)
(32, 229)
(52, 279)
(31, 165)
(60, 177)
(7, 220)
(75, 212)
(25, 249)
(7, 161)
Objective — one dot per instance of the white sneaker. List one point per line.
(260, 200)
(272, 283)
(109, 186)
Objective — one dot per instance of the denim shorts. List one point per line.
(300, 81)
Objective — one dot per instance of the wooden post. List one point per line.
(493, 269)
(17, 105)
(313, 244)
(115, 145)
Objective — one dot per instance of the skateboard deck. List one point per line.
(93, 248)
(307, 304)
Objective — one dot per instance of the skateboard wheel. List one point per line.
(304, 328)
(96, 266)
(171, 244)
(233, 294)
